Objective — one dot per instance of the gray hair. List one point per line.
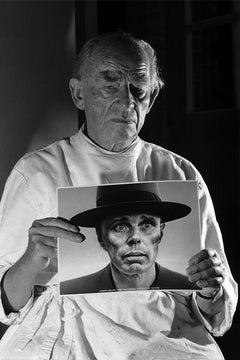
(99, 43)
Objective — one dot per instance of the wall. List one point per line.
(37, 40)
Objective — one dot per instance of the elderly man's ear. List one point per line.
(153, 97)
(76, 89)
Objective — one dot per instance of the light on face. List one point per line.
(116, 95)
(115, 81)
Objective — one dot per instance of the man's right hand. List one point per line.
(19, 280)
(42, 244)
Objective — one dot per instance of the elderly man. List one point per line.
(115, 82)
(129, 220)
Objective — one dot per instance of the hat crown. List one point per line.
(120, 197)
(117, 194)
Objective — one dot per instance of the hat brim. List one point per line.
(167, 211)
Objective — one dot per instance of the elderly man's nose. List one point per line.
(126, 98)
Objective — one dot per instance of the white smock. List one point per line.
(149, 325)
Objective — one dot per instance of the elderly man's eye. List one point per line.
(110, 87)
(140, 92)
(120, 228)
(137, 92)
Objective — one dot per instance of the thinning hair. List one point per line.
(98, 45)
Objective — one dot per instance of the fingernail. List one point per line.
(83, 237)
(77, 229)
(80, 236)
(188, 270)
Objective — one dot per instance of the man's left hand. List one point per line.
(206, 269)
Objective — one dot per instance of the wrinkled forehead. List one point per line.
(119, 58)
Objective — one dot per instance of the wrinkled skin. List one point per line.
(116, 95)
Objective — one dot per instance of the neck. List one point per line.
(133, 281)
(117, 146)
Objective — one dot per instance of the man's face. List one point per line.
(132, 241)
(116, 97)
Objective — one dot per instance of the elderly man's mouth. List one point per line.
(124, 121)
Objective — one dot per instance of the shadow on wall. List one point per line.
(37, 47)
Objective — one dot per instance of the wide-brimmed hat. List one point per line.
(130, 198)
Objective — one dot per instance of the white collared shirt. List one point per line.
(152, 325)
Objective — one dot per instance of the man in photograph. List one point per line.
(129, 221)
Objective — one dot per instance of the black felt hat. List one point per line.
(130, 198)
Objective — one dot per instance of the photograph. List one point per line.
(138, 236)
(119, 186)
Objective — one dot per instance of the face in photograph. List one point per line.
(132, 241)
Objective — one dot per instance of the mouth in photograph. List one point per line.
(135, 255)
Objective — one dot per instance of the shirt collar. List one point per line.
(84, 141)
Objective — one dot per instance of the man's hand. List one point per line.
(206, 269)
(42, 247)
(42, 244)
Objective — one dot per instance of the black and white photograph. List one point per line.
(142, 96)
(137, 236)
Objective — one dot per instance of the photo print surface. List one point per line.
(138, 236)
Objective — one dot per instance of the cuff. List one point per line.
(13, 318)
(219, 323)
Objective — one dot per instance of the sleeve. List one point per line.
(17, 212)
(211, 237)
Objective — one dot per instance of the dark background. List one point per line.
(37, 45)
(197, 113)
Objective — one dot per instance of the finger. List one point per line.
(79, 239)
(207, 274)
(54, 232)
(56, 222)
(44, 247)
(214, 283)
(203, 265)
(202, 255)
